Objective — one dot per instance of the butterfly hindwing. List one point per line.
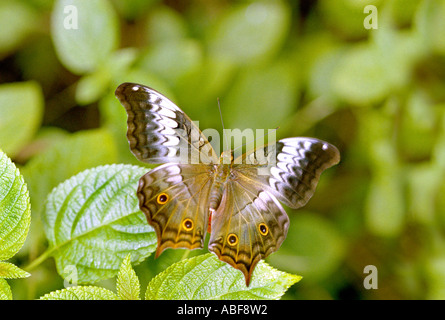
(174, 199)
(159, 131)
(249, 225)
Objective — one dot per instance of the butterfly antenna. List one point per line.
(222, 122)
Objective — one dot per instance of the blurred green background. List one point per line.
(310, 67)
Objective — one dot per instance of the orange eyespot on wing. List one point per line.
(263, 229)
(187, 224)
(162, 198)
(232, 239)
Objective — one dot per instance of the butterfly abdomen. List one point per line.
(221, 174)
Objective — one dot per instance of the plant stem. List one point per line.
(36, 262)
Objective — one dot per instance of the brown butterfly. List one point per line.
(183, 199)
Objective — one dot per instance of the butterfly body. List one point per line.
(195, 192)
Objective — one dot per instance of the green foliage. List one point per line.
(15, 218)
(84, 33)
(94, 226)
(19, 103)
(65, 156)
(127, 283)
(205, 277)
(92, 221)
(188, 279)
(17, 20)
(310, 67)
(250, 32)
(81, 293)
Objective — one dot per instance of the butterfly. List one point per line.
(195, 191)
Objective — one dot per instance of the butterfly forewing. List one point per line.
(292, 169)
(159, 131)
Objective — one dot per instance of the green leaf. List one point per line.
(172, 60)
(17, 21)
(127, 283)
(385, 207)
(21, 111)
(165, 24)
(423, 186)
(262, 97)
(91, 86)
(94, 85)
(206, 277)
(250, 33)
(369, 72)
(345, 17)
(81, 293)
(10, 271)
(15, 209)
(66, 157)
(418, 127)
(84, 33)
(5, 290)
(360, 76)
(92, 221)
(430, 25)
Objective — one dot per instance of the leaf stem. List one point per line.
(36, 262)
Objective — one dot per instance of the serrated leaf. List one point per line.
(206, 277)
(5, 290)
(81, 293)
(15, 209)
(10, 271)
(127, 283)
(84, 33)
(21, 110)
(92, 221)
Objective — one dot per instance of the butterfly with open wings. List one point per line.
(184, 199)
